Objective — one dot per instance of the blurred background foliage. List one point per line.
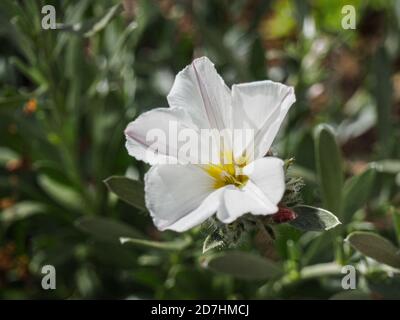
(67, 94)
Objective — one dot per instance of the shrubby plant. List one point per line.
(71, 197)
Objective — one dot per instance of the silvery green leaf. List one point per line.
(21, 210)
(329, 167)
(387, 166)
(7, 154)
(128, 190)
(105, 229)
(375, 247)
(351, 295)
(90, 28)
(179, 244)
(356, 192)
(313, 219)
(61, 193)
(383, 286)
(396, 221)
(243, 265)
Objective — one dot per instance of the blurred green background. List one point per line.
(66, 96)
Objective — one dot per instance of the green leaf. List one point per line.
(7, 155)
(243, 265)
(320, 270)
(383, 90)
(313, 219)
(31, 72)
(396, 221)
(329, 167)
(12, 103)
(114, 255)
(61, 193)
(283, 22)
(104, 20)
(387, 166)
(211, 242)
(375, 247)
(90, 28)
(105, 229)
(20, 211)
(128, 190)
(179, 244)
(351, 295)
(383, 286)
(356, 192)
(299, 171)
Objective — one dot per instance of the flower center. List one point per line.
(230, 173)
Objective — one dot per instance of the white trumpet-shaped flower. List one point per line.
(182, 195)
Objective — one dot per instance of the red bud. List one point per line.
(284, 215)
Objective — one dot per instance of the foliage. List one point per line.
(66, 96)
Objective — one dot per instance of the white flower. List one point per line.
(179, 196)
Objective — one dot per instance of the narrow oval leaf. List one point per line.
(329, 167)
(388, 166)
(375, 247)
(20, 211)
(11, 103)
(384, 287)
(7, 154)
(113, 255)
(320, 270)
(93, 26)
(396, 221)
(105, 229)
(383, 92)
(356, 193)
(128, 190)
(61, 193)
(179, 244)
(351, 295)
(243, 265)
(299, 171)
(313, 219)
(102, 22)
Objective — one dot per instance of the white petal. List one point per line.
(201, 91)
(237, 202)
(151, 137)
(261, 106)
(269, 176)
(179, 197)
(206, 209)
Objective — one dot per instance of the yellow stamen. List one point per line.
(229, 172)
